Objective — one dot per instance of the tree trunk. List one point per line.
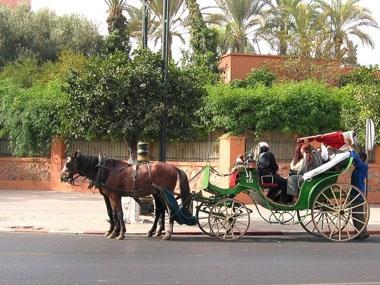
(132, 146)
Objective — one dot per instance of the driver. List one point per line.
(267, 165)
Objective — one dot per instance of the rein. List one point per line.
(72, 180)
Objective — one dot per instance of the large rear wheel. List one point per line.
(340, 212)
(229, 219)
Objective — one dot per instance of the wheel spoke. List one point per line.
(325, 206)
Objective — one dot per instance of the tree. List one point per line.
(176, 21)
(118, 97)
(359, 103)
(118, 34)
(346, 19)
(203, 42)
(279, 24)
(43, 35)
(32, 103)
(240, 18)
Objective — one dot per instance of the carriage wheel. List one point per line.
(340, 212)
(229, 219)
(306, 222)
(202, 214)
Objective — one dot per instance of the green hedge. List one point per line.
(306, 107)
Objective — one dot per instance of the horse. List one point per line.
(116, 178)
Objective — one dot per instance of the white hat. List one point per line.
(261, 144)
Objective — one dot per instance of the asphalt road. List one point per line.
(31, 258)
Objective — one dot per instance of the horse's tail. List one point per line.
(184, 188)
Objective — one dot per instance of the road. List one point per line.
(35, 258)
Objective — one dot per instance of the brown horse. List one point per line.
(116, 178)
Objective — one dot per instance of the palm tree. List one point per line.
(308, 36)
(118, 37)
(116, 19)
(240, 17)
(279, 23)
(346, 20)
(176, 21)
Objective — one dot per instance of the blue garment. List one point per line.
(360, 172)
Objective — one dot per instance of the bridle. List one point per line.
(70, 178)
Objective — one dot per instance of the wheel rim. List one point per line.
(229, 219)
(202, 214)
(340, 212)
(306, 222)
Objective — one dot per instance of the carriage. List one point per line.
(325, 207)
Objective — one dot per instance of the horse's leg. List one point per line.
(116, 229)
(161, 216)
(109, 212)
(120, 217)
(169, 232)
(152, 230)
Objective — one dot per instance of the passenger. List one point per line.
(311, 159)
(268, 166)
(297, 162)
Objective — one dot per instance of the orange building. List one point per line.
(235, 66)
(14, 3)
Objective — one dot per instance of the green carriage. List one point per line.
(325, 207)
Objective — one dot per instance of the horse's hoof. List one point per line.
(120, 237)
(157, 234)
(107, 233)
(149, 234)
(167, 237)
(112, 235)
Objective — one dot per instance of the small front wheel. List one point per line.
(229, 219)
(306, 222)
(340, 212)
(202, 213)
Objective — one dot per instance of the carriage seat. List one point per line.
(338, 158)
(266, 181)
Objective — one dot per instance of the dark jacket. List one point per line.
(360, 172)
(267, 164)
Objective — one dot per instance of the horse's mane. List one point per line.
(87, 163)
(113, 163)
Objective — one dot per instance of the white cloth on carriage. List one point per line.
(339, 157)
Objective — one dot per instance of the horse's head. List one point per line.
(70, 168)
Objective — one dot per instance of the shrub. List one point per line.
(260, 76)
(306, 107)
(361, 75)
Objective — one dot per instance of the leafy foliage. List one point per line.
(32, 103)
(361, 75)
(118, 97)
(257, 76)
(118, 37)
(203, 41)
(43, 35)
(360, 102)
(31, 117)
(301, 108)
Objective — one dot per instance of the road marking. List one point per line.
(334, 283)
(20, 253)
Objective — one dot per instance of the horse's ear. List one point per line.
(76, 154)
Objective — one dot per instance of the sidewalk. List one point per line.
(62, 212)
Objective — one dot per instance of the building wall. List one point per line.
(238, 65)
(14, 3)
